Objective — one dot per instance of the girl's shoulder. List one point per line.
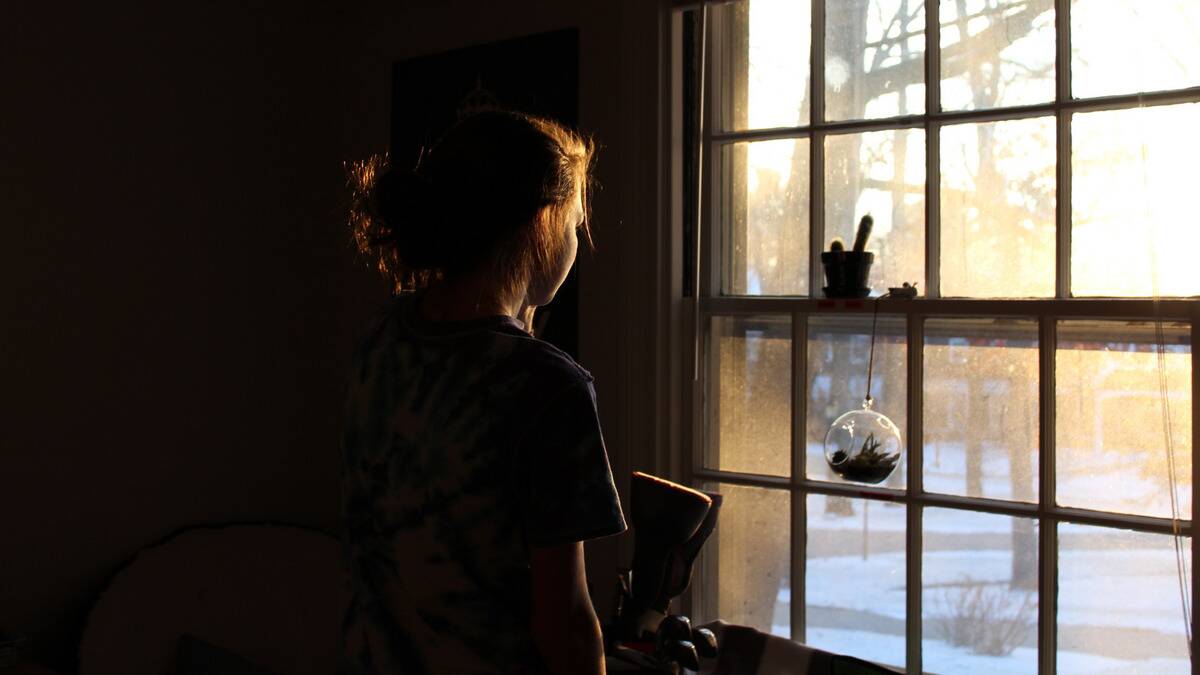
(498, 344)
(552, 362)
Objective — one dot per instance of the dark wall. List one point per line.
(176, 290)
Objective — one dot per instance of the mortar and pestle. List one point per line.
(847, 272)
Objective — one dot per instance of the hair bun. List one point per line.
(400, 195)
(406, 204)
(490, 196)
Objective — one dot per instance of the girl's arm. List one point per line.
(563, 622)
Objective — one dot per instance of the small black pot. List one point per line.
(846, 273)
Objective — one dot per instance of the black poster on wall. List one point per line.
(538, 74)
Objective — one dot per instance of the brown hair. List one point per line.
(492, 193)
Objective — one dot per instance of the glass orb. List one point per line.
(863, 446)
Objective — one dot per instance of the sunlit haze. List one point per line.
(1133, 170)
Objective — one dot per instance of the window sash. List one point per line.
(1047, 513)
(1061, 108)
(710, 302)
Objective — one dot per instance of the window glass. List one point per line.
(874, 58)
(765, 63)
(749, 554)
(1114, 396)
(997, 209)
(750, 404)
(881, 173)
(1133, 181)
(1128, 46)
(838, 350)
(1119, 424)
(855, 578)
(1118, 602)
(764, 208)
(979, 584)
(996, 53)
(981, 408)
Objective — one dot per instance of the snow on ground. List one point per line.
(1113, 597)
(942, 658)
(1106, 591)
(1131, 589)
(1118, 592)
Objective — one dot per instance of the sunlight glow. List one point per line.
(1121, 425)
(1124, 46)
(1133, 227)
(1132, 169)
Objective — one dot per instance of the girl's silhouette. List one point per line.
(473, 463)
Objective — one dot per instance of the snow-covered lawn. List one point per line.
(1118, 600)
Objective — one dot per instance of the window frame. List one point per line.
(691, 337)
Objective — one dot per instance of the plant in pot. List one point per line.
(869, 464)
(847, 272)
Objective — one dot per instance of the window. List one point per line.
(1030, 165)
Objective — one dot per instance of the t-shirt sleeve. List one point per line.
(568, 491)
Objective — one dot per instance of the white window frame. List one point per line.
(684, 386)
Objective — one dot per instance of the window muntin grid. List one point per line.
(1044, 512)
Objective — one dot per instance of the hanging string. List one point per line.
(1160, 341)
(871, 358)
(1172, 474)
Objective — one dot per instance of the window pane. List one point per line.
(996, 53)
(1127, 46)
(997, 209)
(746, 566)
(764, 210)
(874, 58)
(750, 400)
(979, 585)
(1118, 602)
(1134, 181)
(838, 349)
(854, 577)
(1109, 417)
(981, 408)
(881, 173)
(764, 64)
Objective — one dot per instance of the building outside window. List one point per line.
(1030, 166)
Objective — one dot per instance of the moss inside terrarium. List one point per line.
(868, 466)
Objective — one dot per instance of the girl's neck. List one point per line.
(468, 297)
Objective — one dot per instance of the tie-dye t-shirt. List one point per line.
(464, 445)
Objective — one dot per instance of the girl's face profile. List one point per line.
(542, 291)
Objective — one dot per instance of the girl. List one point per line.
(473, 464)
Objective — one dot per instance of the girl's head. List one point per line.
(500, 195)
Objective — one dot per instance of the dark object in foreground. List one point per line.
(847, 272)
(195, 656)
(906, 291)
(706, 642)
(863, 233)
(670, 525)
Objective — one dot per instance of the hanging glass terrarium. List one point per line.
(863, 445)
